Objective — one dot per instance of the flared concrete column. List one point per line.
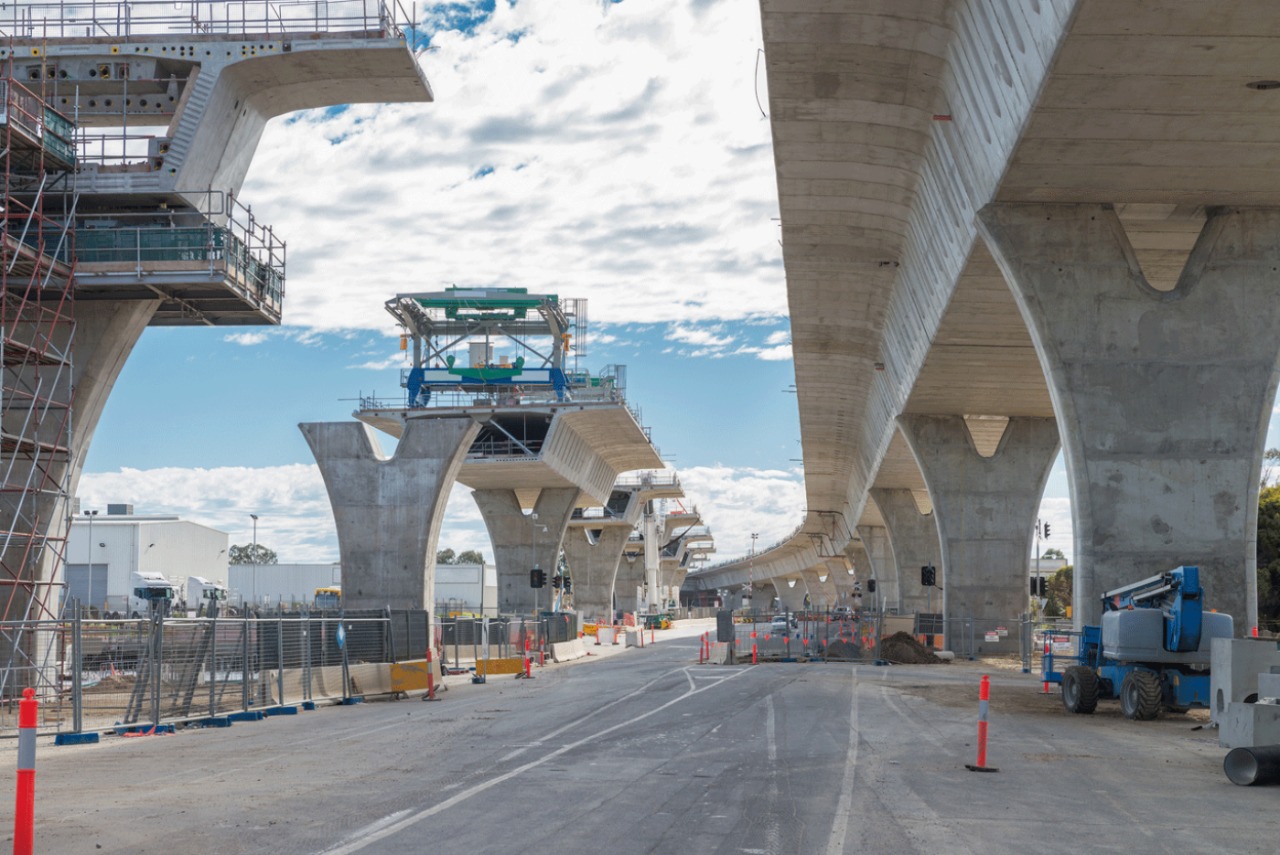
(791, 596)
(388, 510)
(105, 335)
(521, 543)
(839, 577)
(627, 582)
(594, 566)
(913, 537)
(1163, 398)
(985, 509)
(879, 554)
(822, 592)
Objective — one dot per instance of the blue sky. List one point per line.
(609, 150)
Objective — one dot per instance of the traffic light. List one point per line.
(1038, 586)
(871, 586)
(568, 585)
(928, 576)
(555, 582)
(537, 577)
(1046, 531)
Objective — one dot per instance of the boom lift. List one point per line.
(1151, 650)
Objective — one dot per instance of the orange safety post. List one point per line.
(528, 668)
(753, 654)
(24, 812)
(984, 694)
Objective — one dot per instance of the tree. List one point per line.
(1269, 555)
(1058, 593)
(467, 556)
(251, 554)
(1053, 553)
(1270, 460)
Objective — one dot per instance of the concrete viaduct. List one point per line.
(1013, 227)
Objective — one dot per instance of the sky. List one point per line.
(615, 151)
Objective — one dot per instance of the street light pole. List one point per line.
(253, 555)
(89, 596)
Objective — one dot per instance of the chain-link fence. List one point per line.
(858, 636)
(94, 675)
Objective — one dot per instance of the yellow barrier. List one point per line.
(508, 665)
(412, 675)
(589, 628)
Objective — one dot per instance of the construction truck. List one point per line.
(1151, 649)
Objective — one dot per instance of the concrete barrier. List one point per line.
(567, 651)
(633, 637)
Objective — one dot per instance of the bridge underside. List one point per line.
(894, 126)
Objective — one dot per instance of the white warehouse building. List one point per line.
(105, 550)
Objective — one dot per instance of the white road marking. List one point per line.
(378, 830)
(844, 807)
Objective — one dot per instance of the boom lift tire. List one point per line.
(1080, 690)
(1140, 696)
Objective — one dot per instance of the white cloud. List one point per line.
(778, 337)
(737, 502)
(706, 337)
(295, 518)
(247, 339)
(294, 515)
(779, 353)
(621, 157)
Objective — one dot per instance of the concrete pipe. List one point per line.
(1257, 765)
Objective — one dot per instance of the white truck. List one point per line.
(201, 593)
(147, 587)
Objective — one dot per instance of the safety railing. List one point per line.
(203, 17)
(96, 675)
(224, 238)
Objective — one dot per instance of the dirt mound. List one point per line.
(843, 651)
(902, 649)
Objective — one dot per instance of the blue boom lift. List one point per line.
(1151, 650)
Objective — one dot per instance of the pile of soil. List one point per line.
(843, 651)
(902, 649)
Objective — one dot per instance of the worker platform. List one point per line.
(170, 100)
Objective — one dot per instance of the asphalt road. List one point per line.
(644, 751)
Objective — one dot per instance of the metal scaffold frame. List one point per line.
(37, 331)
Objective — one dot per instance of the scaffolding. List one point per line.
(37, 331)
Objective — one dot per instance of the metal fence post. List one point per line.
(157, 629)
(346, 679)
(307, 693)
(244, 663)
(77, 672)
(1025, 643)
(213, 659)
(280, 659)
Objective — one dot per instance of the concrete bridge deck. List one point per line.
(1105, 141)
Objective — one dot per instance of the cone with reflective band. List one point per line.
(25, 806)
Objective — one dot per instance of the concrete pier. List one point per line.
(1163, 396)
(388, 510)
(593, 554)
(880, 566)
(523, 541)
(913, 537)
(985, 509)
